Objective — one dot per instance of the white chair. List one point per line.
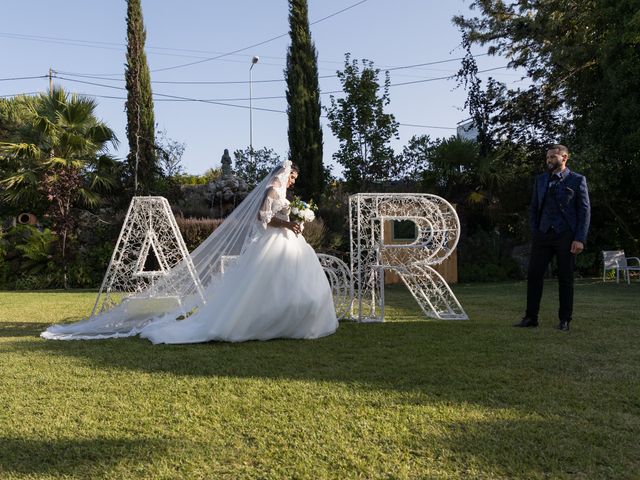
(615, 260)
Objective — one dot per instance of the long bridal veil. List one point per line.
(211, 260)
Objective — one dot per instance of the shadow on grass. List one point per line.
(78, 458)
(29, 329)
(459, 359)
(454, 359)
(20, 329)
(533, 448)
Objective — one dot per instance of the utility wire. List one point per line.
(91, 43)
(426, 126)
(425, 80)
(276, 111)
(175, 96)
(186, 82)
(101, 45)
(273, 80)
(444, 78)
(208, 59)
(274, 97)
(21, 78)
(256, 44)
(187, 99)
(148, 49)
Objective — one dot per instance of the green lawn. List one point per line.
(409, 398)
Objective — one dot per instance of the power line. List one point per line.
(274, 97)
(214, 102)
(94, 43)
(175, 96)
(256, 44)
(88, 43)
(118, 48)
(208, 59)
(415, 65)
(273, 80)
(449, 77)
(21, 78)
(104, 46)
(270, 110)
(425, 80)
(186, 82)
(148, 49)
(186, 99)
(426, 126)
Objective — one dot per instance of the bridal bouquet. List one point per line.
(302, 211)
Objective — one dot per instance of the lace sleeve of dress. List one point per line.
(267, 209)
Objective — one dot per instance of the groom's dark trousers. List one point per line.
(559, 213)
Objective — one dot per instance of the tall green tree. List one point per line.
(60, 162)
(142, 163)
(170, 162)
(303, 103)
(583, 59)
(253, 166)
(14, 113)
(362, 127)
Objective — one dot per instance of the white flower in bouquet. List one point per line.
(309, 216)
(302, 211)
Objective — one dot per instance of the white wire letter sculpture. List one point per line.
(437, 233)
(148, 249)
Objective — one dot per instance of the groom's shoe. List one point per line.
(563, 326)
(527, 322)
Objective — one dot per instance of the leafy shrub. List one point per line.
(4, 266)
(82, 276)
(90, 265)
(40, 281)
(334, 212)
(315, 233)
(484, 257)
(196, 230)
(37, 250)
(27, 258)
(31, 250)
(589, 263)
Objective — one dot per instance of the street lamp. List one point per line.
(254, 60)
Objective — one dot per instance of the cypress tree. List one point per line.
(142, 164)
(303, 103)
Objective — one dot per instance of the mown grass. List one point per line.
(409, 398)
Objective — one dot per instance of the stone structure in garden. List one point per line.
(216, 199)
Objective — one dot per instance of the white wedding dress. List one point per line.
(260, 282)
(277, 289)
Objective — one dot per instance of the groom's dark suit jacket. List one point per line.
(572, 198)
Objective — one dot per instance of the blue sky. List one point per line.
(83, 37)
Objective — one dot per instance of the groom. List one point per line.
(559, 216)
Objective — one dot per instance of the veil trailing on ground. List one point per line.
(176, 295)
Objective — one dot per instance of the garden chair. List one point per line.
(615, 260)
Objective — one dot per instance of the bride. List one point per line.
(261, 281)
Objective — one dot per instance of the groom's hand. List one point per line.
(576, 247)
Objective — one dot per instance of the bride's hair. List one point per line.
(294, 168)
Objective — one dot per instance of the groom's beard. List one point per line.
(553, 165)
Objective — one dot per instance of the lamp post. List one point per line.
(254, 60)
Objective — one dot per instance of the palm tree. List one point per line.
(61, 161)
(457, 166)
